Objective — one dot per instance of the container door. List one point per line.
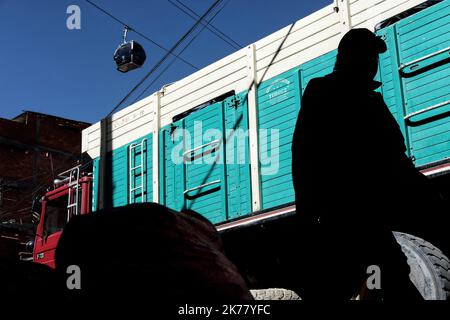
(172, 182)
(278, 107)
(204, 158)
(204, 161)
(420, 74)
(237, 154)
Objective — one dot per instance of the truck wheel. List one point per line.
(430, 268)
(274, 294)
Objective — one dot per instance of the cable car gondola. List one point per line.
(129, 55)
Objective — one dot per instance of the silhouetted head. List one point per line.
(148, 253)
(358, 53)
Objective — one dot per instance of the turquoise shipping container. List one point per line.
(204, 160)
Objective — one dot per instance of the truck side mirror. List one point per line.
(36, 209)
(29, 246)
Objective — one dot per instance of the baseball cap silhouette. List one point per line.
(361, 40)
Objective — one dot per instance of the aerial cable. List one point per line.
(208, 25)
(218, 30)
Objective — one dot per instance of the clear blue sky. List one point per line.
(47, 68)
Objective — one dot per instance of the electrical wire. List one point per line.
(13, 209)
(185, 47)
(212, 26)
(191, 13)
(130, 28)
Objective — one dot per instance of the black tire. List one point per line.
(430, 268)
(274, 294)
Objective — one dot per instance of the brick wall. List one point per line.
(30, 145)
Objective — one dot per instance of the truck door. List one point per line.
(54, 219)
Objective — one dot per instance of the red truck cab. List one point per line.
(70, 197)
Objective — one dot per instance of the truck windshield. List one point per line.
(55, 215)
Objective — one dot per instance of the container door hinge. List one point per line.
(234, 102)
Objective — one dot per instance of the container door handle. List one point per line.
(434, 107)
(187, 191)
(415, 65)
(189, 154)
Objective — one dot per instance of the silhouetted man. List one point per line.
(349, 169)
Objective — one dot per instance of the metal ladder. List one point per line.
(132, 170)
(73, 177)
